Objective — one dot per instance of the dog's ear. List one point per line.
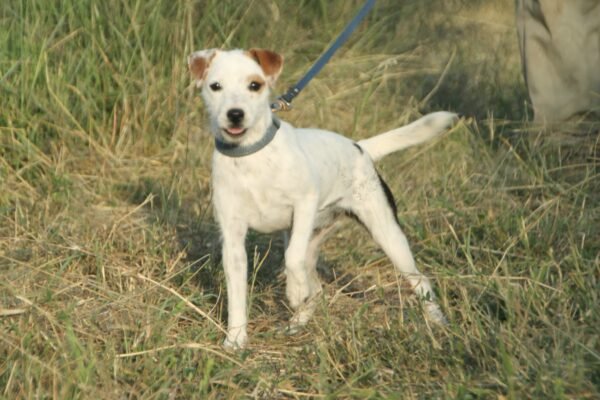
(270, 62)
(198, 63)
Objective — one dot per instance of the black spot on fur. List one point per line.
(358, 147)
(389, 196)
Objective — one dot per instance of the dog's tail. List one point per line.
(423, 129)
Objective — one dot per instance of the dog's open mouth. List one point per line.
(235, 131)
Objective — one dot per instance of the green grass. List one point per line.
(111, 284)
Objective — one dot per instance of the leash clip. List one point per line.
(281, 105)
(284, 102)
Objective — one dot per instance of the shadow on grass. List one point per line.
(199, 235)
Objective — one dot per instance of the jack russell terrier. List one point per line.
(269, 176)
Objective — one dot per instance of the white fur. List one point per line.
(301, 181)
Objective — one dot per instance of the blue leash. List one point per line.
(284, 102)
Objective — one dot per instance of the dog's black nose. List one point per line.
(235, 115)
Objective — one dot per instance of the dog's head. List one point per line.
(235, 87)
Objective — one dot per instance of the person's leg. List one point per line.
(560, 52)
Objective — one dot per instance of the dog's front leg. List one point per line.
(236, 275)
(297, 279)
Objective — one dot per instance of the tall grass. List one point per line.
(111, 281)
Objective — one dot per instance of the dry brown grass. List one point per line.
(111, 280)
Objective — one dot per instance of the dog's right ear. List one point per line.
(198, 63)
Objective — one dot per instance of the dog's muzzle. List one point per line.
(235, 117)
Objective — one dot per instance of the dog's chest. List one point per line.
(262, 194)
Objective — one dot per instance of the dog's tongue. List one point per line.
(235, 131)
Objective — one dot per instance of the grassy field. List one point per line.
(111, 285)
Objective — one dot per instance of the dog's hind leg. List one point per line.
(372, 205)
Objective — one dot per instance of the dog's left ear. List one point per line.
(270, 62)
(198, 63)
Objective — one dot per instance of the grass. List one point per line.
(111, 279)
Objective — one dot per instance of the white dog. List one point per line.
(269, 176)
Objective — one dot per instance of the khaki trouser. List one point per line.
(560, 52)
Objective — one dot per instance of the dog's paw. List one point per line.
(434, 313)
(235, 340)
(301, 318)
(297, 291)
(305, 311)
(293, 329)
(233, 345)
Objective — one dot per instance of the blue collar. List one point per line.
(236, 150)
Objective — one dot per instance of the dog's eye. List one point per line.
(254, 86)
(215, 87)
